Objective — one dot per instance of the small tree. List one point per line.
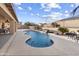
(27, 24)
(38, 27)
(63, 30)
(55, 25)
(77, 30)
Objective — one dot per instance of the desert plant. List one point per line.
(77, 30)
(55, 25)
(63, 30)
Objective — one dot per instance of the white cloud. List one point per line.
(20, 8)
(37, 14)
(44, 15)
(17, 3)
(48, 6)
(30, 8)
(54, 15)
(57, 15)
(72, 5)
(32, 14)
(66, 11)
(47, 10)
(71, 10)
(53, 5)
(67, 15)
(76, 4)
(43, 5)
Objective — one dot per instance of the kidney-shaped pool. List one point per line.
(38, 39)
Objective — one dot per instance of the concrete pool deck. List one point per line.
(16, 46)
(4, 38)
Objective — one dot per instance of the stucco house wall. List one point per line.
(7, 13)
(70, 23)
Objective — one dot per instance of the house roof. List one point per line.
(70, 18)
(10, 8)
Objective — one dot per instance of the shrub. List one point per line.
(77, 30)
(55, 25)
(63, 30)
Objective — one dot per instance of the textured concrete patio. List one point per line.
(4, 39)
(16, 46)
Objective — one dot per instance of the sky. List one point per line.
(43, 12)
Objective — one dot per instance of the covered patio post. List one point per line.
(12, 27)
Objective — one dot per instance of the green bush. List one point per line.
(63, 30)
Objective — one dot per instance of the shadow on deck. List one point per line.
(4, 39)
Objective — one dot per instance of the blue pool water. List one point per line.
(38, 39)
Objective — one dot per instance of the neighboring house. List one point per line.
(19, 25)
(32, 27)
(72, 22)
(8, 17)
(47, 26)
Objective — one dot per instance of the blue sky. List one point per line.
(43, 12)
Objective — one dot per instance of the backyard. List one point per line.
(17, 47)
(39, 29)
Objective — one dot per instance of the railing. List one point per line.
(73, 36)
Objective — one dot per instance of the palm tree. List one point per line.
(74, 11)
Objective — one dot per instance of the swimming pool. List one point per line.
(38, 39)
